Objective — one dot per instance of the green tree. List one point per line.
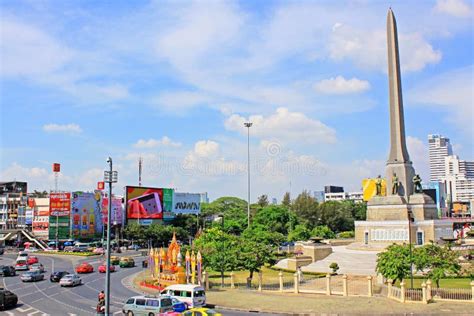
(261, 234)
(299, 233)
(337, 215)
(438, 261)
(306, 208)
(134, 231)
(286, 201)
(253, 255)
(263, 200)
(275, 218)
(233, 209)
(323, 232)
(394, 262)
(220, 251)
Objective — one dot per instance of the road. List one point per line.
(47, 298)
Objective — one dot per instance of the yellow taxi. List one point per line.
(126, 262)
(114, 260)
(202, 311)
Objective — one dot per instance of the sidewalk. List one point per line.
(320, 304)
(289, 303)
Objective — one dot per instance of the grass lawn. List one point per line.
(464, 283)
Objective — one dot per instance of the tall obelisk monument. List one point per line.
(401, 216)
(398, 162)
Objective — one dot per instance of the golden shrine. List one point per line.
(166, 266)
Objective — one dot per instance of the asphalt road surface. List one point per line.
(47, 298)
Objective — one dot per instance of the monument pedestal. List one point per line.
(388, 222)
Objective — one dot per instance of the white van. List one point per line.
(192, 295)
(147, 306)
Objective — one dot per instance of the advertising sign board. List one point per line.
(60, 204)
(86, 214)
(147, 203)
(186, 203)
(117, 210)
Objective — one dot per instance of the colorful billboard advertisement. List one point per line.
(86, 214)
(60, 204)
(186, 203)
(64, 227)
(40, 226)
(117, 210)
(28, 216)
(148, 203)
(370, 189)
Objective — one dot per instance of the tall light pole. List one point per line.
(410, 219)
(248, 125)
(109, 177)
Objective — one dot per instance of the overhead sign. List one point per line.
(60, 204)
(56, 167)
(100, 185)
(186, 203)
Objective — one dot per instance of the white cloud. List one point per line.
(153, 143)
(180, 101)
(206, 148)
(64, 128)
(340, 85)
(28, 51)
(451, 92)
(368, 49)
(457, 8)
(285, 126)
(418, 152)
(89, 178)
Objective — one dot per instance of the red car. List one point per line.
(84, 268)
(32, 260)
(102, 268)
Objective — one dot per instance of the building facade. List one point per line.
(459, 179)
(439, 147)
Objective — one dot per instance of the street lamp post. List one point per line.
(248, 125)
(109, 177)
(410, 219)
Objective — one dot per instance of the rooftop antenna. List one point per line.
(140, 162)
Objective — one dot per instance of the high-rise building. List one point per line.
(333, 189)
(439, 147)
(459, 179)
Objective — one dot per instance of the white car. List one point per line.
(70, 280)
(31, 249)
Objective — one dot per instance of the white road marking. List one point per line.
(31, 314)
(24, 310)
(118, 313)
(10, 313)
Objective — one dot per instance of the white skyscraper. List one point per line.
(459, 179)
(439, 148)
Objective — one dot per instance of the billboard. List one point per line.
(56, 167)
(117, 210)
(40, 226)
(186, 203)
(369, 188)
(147, 203)
(86, 214)
(28, 216)
(64, 227)
(60, 204)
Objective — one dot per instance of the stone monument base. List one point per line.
(380, 234)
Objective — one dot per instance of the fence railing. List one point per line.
(428, 294)
(338, 285)
(452, 294)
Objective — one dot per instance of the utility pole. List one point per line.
(248, 125)
(109, 177)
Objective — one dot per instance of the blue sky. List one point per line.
(173, 82)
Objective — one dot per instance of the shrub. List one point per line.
(348, 234)
(323, 232)
(334, 266)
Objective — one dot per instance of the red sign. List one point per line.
(59, 204)
(100, 185)
(31, 203)
(56, 167)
